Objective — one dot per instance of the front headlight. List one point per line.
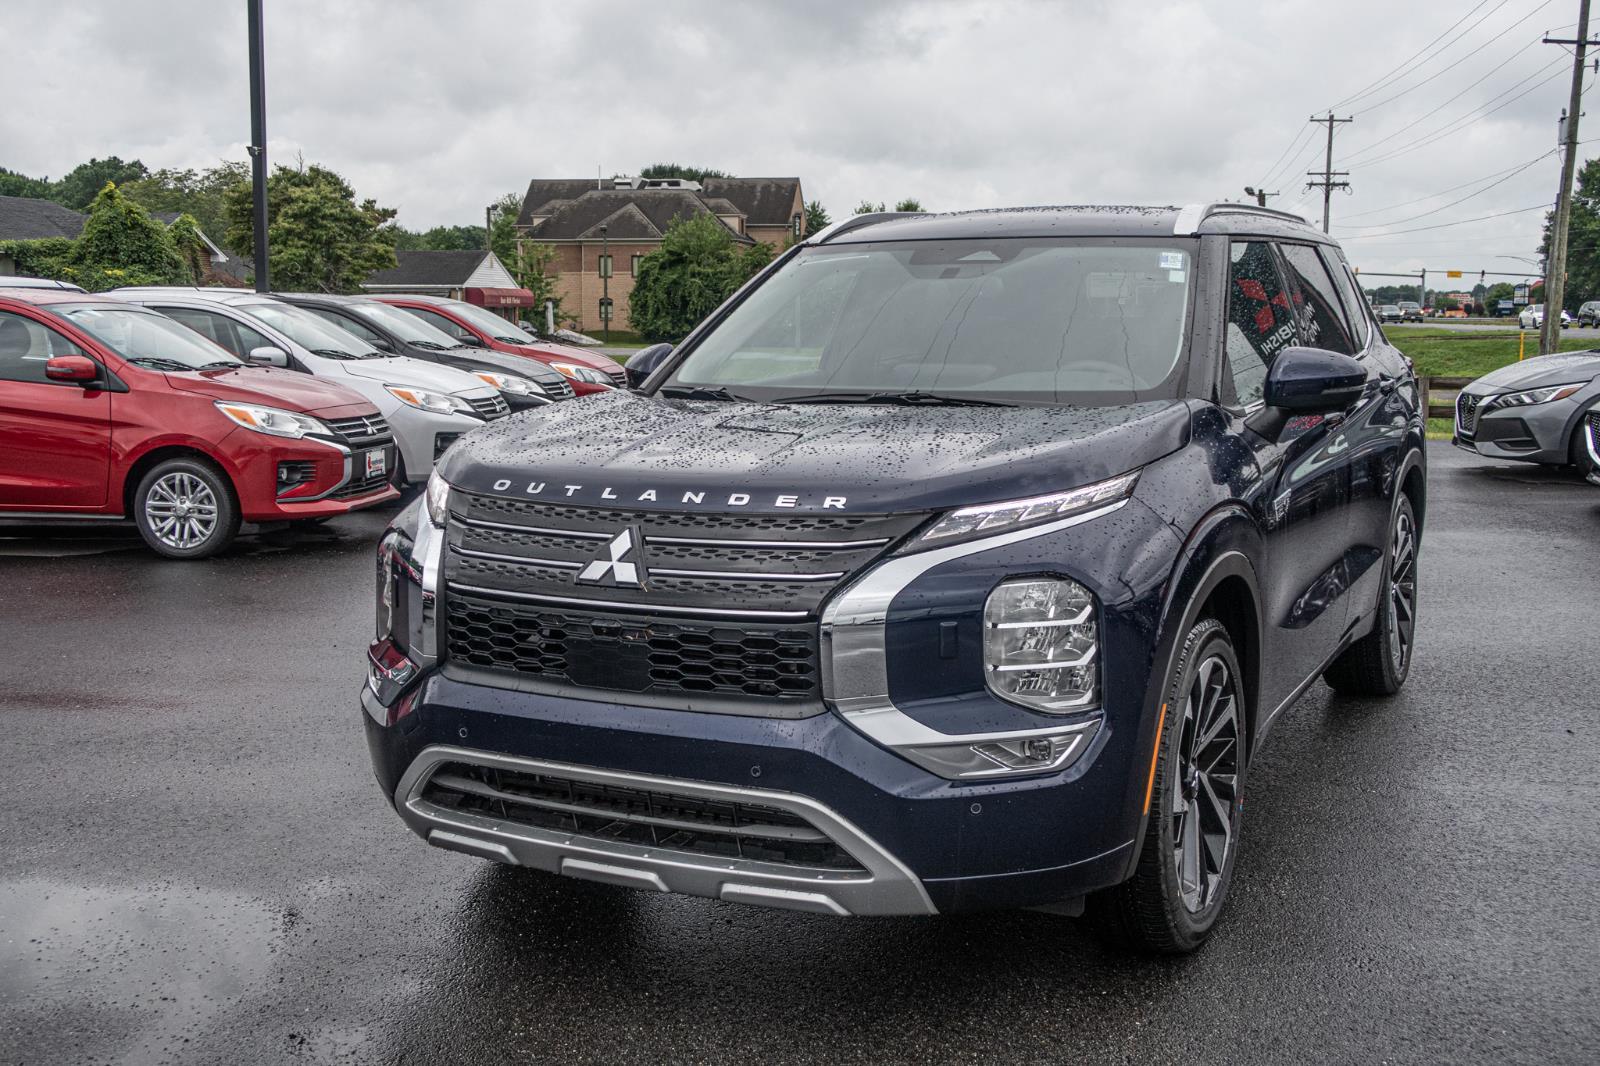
(1040, 644)
(437, 498)
(439, 403)
(272, 421)
(996, 517)
(1544, 395)
(582, 373)
(510, 383)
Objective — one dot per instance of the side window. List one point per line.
(1355, 308)
(438, 321)
(1260, 322)
(1316, 301)
(350, 325)
(249, 338)
(212, 327)
(25, 347)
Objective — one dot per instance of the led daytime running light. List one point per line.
(991, 517)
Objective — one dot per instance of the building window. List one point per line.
(634, 266)
(605, 266)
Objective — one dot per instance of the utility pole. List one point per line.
(1327, 173)
(1555, 280)
(258, 142)
(1260, 195)
(488, 224)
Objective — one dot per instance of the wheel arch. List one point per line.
(160, 454)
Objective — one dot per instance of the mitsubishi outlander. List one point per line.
(956, 561)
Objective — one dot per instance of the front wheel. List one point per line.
(185, 509)
(1191, 833)
(1378, 663)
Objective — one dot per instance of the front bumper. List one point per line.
(417, 433)
(1538, 433)
(334, 476)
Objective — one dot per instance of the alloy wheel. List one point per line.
(1206, 784)
(1402, 592)
(181, 510)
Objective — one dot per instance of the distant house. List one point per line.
(478, 277)
(26, 219)
(626, 218)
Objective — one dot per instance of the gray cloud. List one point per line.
(438, 108)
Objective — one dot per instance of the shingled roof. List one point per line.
(430, 268)
(23, 218)
(764, 201)
(627, 214)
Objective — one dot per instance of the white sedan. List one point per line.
(1532, 317)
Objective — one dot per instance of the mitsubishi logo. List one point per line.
(620, 563)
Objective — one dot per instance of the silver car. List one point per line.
(427, 405)
(1532, 410)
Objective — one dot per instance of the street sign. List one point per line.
(1519, 295)
(1452, 273)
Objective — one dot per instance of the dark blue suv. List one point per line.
(956, 561)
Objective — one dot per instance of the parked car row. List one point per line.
(194, 410)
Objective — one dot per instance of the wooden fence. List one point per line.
(1439, 394)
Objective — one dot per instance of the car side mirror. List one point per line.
(268, 355)
(72, 370)
(471, 340)
(1307, 381)
(644, 363)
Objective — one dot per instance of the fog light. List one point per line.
(1038, 753)
(1040, 644)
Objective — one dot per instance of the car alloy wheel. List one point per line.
(181, 510)
(1402, 591)
(1204, 790)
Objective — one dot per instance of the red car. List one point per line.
(590, 371)
(110, 410)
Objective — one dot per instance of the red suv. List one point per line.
(470, 324)
(110, 410)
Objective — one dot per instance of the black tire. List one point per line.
(186, 509)
(1378, 663)
(1157, 911)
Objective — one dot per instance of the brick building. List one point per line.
(627, 217)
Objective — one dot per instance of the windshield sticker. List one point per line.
(1172, 261)
(1175, 275)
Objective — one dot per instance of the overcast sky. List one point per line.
(437, 107)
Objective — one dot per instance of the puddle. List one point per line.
(124, 975)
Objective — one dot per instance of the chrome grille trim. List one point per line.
(361, 429)
(722, 575)
(641, 608)
(775, 545)
(490, 407)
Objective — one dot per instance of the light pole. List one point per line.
(258, 143)
(605, 286)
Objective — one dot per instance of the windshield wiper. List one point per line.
(907, 399)
(334, 353)
(432, 346)
(221, 364)
(701, 392)
(151, 362)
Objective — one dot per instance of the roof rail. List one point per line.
(838, 229)
(1192, 215)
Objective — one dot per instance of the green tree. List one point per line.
(1500, 290)
(678, 170)
(15, 184)
(503, 227)
(438, 239)
(122, 245)
(81, 185)
(201, 194)
(696, 267)
(191, 248)
(816, 217)
(319, 237)
(1583, 238)
(908, 205)
(867, 207)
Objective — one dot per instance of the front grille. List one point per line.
(560, 389)
(362, 429)
(726, 609)
(1594, 434)
(490, 407)
(658, 657)
(617, 375)
(1467, 407)
(725, 829)
(359, 486)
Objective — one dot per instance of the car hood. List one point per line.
(402, 370)
(568, 353)
(286, 390)
(1561, 369)
(621, 449)
(522, 366)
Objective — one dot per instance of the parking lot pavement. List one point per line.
(197, 866)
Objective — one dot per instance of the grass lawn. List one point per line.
(1470, 353)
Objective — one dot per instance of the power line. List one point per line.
(1406, 64)
(1464, 199)
(1442, 192)
(1447, 225)
(1326, 183)
(1305, 131)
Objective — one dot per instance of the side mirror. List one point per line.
(1306, 381)
(472, 340)
(382, 344)
(72, 370)
(267, 355)
(644, 363)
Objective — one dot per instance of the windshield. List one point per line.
(1018, 320)
(311, 332)
(408, 328)
(488, 322)
(150, 340)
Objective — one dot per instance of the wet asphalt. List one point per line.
(196, 865)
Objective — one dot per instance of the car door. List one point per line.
(55, 437)
(1304, 513)
(223, 330)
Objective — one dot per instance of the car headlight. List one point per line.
(994, 517)
(1040, 644)
(582, 373)
(439, 403)
(510, 383)
(272, 421)
(1544, 395)
(437, 496)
